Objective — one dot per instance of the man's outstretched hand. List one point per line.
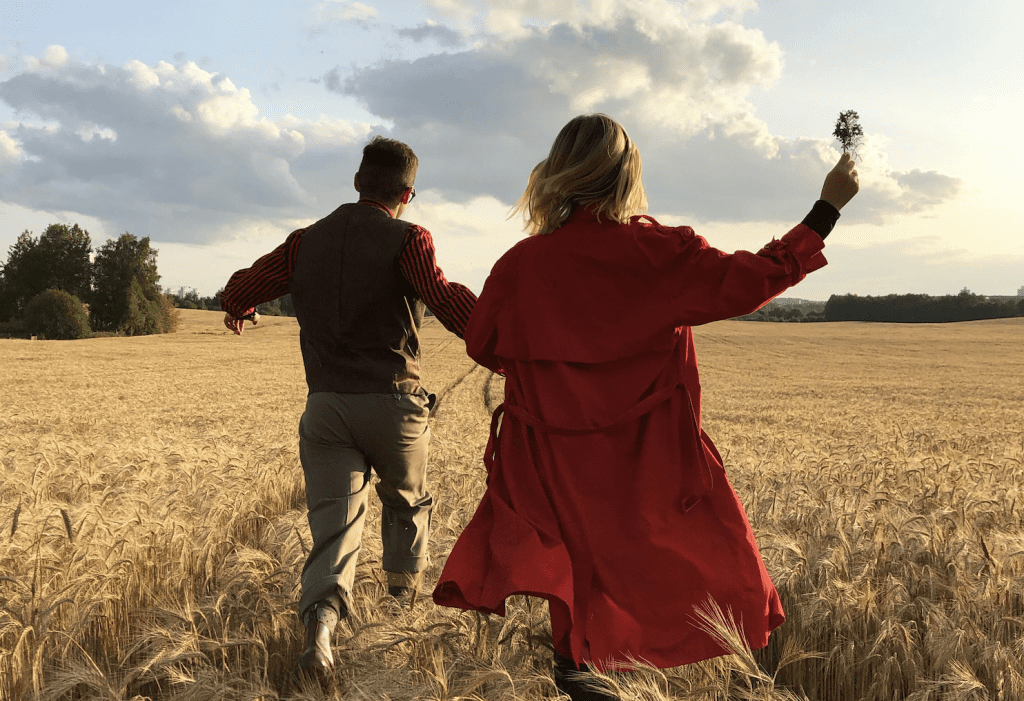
(236, 325)
(841, 184)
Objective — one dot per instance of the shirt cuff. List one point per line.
(822, 218)
(247, 314)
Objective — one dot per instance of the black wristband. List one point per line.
(822, 218)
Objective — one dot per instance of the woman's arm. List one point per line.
(709, 285)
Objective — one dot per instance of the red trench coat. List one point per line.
(604, 495)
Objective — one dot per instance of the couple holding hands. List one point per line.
(604, 495)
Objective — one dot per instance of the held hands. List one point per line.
(236, 325)
(841, 184)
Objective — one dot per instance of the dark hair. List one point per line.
(388, 168)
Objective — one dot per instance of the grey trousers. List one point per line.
(341, 438)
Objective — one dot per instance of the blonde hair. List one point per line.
(592, 164)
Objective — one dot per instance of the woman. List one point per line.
(604, 496)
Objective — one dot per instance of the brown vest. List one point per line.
(359, 318)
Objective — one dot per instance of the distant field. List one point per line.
(152, 519)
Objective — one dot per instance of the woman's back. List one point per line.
(604, 496)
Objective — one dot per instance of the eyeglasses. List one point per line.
(412, 194)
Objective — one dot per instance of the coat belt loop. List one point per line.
(493, 441)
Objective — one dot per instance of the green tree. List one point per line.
(287, 308)
(126, 291)
(185, 300)
(5, 298)
(167, 315)
(271, 308)
(141, 315)
(282, 306)
(59, 259)
(21, 271)
(57, 314)
(65, 253)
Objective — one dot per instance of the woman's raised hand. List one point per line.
(841, 184)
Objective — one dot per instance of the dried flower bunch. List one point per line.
(848, 131)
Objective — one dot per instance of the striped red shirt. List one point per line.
(269, 278)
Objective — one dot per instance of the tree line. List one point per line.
(53, 286)
(909, 308)
(191, 299)
(778, 311)
(965, 306)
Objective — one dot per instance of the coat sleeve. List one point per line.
(489, 314)
(703, 284)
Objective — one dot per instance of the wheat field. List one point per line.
(152, 520)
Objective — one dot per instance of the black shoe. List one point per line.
(404, 587)
(401, 592)
(317, 659)
(568, 681)
(405, 596)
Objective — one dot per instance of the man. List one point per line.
(359, 280)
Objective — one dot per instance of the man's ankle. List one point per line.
(330, 609)
(403, 582)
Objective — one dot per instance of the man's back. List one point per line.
(359, 317)
(359, 280)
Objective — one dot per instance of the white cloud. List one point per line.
(326, 132)
(512, 18)
(230, 109)
(705, 9)
(344, 11)
(172, 152)
(54, 58)
(457, 13)
(504, 101)
(181, 113)
(924, 189)
(208, 267)
(885, 191)
(87, 134)
(141, 75)
(10, 151)
(432, 31)
(671, 72)
(679, 81)
(466, 219)
(480, 121)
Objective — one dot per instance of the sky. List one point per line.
(216, 131)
